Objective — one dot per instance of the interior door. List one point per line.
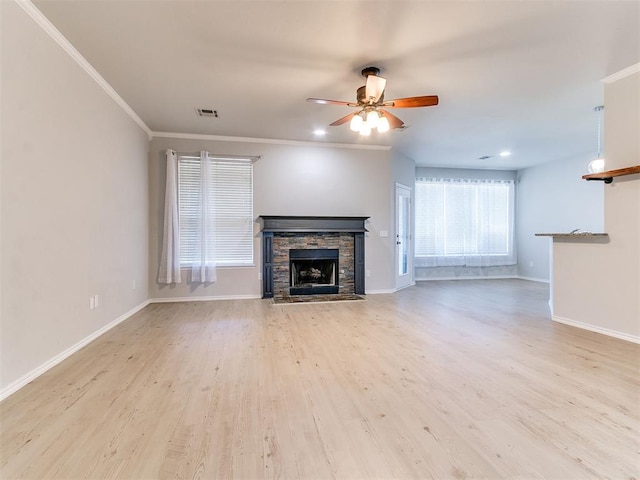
(404, 256)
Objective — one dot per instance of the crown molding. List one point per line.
(614, 77)
(60, 39)
(273, 141)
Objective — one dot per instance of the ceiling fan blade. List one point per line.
(411, 102)
(342, 120)
(394, 122)
(331, 102)
(375, 87)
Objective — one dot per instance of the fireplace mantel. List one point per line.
(280, 233)
(288, 224)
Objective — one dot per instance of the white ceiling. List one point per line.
(517, 75)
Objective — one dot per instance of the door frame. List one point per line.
(403, 280)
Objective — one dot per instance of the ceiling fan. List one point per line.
(371, 104)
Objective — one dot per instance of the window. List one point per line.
(223, 188)
(464, 222)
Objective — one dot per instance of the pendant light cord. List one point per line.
(599, 115)
(598, 110)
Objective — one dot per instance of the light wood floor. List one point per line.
(466, 379)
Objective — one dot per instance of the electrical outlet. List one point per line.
(384, 233)
(92, 303)
(95, 301)
(259, 275)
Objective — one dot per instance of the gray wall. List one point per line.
(288, 180)
(553, 198)
(74, 202)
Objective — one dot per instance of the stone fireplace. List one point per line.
(312, 255)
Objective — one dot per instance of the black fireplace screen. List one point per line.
(312, 270)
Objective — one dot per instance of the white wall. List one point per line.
(288, 180)
(597, 285)
(74, 202)
(552, 198)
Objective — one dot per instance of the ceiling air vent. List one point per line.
(207, 112)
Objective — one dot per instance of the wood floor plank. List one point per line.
(444, 380)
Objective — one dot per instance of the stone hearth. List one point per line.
(282, 234)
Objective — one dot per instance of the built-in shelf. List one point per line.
(572, 235)
(607, 177)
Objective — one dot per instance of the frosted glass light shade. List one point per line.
(365, 130)
(372, 118)
(383, 124)
(596, 166)
(356, 123)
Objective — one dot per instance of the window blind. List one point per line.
(464, 222)
(230, 199)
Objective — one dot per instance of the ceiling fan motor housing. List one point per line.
(362, 94)
(370, 71)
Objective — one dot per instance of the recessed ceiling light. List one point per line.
(505, 153)
(319, 132)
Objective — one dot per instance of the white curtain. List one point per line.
(170, 259)
(203, 268)
(464, 222)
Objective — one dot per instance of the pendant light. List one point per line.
(597, 165)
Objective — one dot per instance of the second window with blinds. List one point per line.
(222, 192)
(464, 222)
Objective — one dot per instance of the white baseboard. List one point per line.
(204, 299)
(376, 292)
(532, 279)
(596, 329)
(35, 373)
(492, 277)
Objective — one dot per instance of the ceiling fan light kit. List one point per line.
(373, 121)
(370, 102)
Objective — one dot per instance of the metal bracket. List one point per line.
(605, 179)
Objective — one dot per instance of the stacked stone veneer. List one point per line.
(283, 242)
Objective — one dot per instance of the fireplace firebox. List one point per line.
(313, 271)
